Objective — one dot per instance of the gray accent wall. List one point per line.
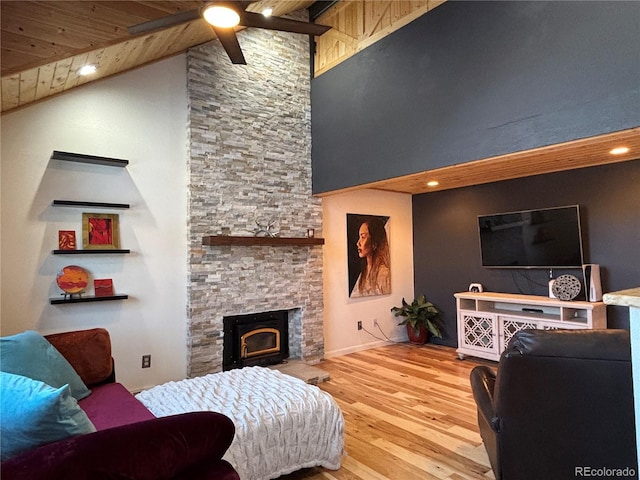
(471, 80)
(447, 246)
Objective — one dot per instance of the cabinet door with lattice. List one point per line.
(509, 326)
(478, 334)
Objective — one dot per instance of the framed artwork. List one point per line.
(100, 231)
(103, 287)
(368, 255)
(72, 279)
(66, 239)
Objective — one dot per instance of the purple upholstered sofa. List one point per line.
(130, 442)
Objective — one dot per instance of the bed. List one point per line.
(282, 423)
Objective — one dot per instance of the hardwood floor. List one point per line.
(409, 414)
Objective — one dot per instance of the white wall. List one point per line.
(140, 116)
(342, 313)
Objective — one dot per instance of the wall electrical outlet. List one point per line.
(146, 361)
(359, 324)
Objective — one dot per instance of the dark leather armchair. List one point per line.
(560, 406)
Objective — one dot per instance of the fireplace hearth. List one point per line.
(255, 339)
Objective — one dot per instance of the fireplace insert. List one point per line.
(255, 339)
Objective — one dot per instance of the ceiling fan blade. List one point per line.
(229, 41)
(243, 4)
(250, 19)
(165, 22)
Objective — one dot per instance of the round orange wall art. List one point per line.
(72, 279)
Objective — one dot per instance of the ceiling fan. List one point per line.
(223, 16)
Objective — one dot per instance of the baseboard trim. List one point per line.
(358, 348)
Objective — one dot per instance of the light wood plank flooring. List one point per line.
(409, 414)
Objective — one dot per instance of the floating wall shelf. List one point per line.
(221, 240)
(83, 158)
(73, 203)
(90, 298)
(95, 160)
(90, 252)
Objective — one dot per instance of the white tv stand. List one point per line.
(488, 320)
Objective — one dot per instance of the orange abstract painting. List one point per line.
(72, 279)
(103, 287)
(67, 239)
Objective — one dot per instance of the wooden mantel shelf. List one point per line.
(217, 240)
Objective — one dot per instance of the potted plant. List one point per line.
(421, 318)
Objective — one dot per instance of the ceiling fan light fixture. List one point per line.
(221, 15)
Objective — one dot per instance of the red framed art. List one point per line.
(103, 287)
(100, 231)
(66, 239)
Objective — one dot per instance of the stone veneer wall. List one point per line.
(250, 161)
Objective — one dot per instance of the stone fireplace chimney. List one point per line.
(250, 164)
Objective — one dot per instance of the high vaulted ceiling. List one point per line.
(45, 43)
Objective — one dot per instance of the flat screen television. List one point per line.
(545, 238)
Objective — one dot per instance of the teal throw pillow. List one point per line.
(33, 414)
(31, 355)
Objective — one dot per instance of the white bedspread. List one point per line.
(282, 423)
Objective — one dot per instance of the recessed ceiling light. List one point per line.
(433, 183)
(267, 12)
(87, 70)
(221, 16)
(619, 151)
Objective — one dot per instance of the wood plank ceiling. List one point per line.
(44, 43)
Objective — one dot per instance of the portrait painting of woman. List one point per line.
(369, 257)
